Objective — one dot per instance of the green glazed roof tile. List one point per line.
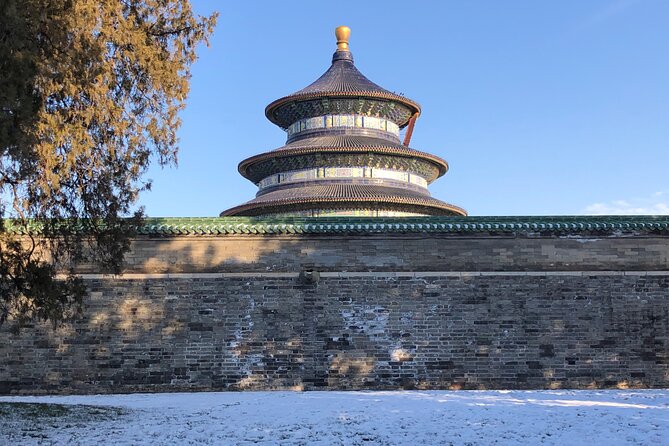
(560, 225)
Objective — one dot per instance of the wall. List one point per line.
(388, 311)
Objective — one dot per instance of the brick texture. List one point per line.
(386, 312)
(428, 252)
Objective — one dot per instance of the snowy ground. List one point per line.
(348, 418)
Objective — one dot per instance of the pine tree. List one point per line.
(90, 92)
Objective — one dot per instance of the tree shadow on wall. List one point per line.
(235, 313)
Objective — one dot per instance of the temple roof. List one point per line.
(341, 80)
(343, 144)
(342, 76)
(334, 139)
(341, 195)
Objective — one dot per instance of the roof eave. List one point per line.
(243, 166)
(275, 105)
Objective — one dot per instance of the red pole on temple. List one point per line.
(407, 135)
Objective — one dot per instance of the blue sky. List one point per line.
(540, 108)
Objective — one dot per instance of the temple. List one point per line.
(343, 155)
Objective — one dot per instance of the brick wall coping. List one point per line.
(524, 225)
(374, 274)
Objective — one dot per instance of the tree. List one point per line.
(90, 92)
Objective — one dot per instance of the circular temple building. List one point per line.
(343, 155)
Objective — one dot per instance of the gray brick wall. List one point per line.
(397, 252)
(388, 312)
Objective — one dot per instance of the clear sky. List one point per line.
(540, 108)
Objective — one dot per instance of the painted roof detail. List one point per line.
(290, 158)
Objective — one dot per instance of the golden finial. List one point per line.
(342, 33)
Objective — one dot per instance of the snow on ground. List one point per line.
(607, 417)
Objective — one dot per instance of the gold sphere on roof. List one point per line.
(342, 33)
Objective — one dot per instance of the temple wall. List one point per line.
(385, 311)
(397, 252)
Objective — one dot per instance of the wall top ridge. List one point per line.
(617, 225)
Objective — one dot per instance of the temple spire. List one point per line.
(342, 33)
